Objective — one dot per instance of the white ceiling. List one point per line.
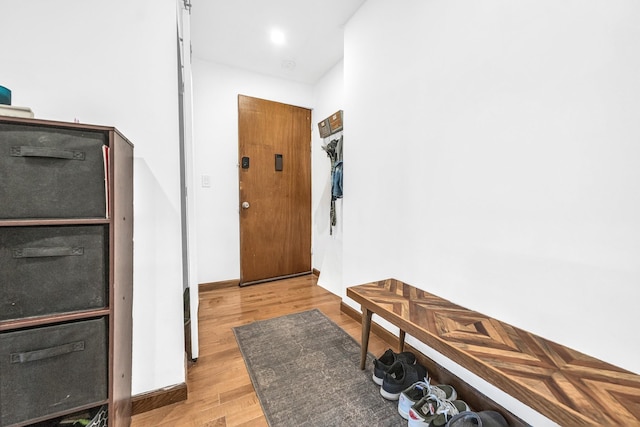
(236, 33)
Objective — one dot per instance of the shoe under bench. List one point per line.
(563, 384)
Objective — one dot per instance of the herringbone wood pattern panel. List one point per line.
(569, 387)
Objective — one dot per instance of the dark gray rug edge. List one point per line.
(252, 374)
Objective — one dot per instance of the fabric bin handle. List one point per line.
(45, 353)
(56, 153)
(47, 252)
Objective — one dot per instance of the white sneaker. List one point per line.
(435, 412)
(411, 395)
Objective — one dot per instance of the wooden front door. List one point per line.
(275, 189)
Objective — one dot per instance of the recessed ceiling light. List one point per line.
(277, 37)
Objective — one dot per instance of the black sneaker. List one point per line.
(400, 376)
(382, 364)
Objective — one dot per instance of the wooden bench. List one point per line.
(566, 386)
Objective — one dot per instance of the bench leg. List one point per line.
(401, 341)
(366, 327)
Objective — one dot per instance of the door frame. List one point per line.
(187, 178)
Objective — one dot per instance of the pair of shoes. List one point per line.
(411, 395)
(480, 419)
(384, 362)
(434, 412)
(400, 376)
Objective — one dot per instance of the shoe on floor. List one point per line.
(400, 376)
(478, 419)
(423, 411)
(433, 412)
(448, 410)
(411, 395)
(384, 362)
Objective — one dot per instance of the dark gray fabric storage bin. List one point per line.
(48, 172)
(51, 369)
(52, 269)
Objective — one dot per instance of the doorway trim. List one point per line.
(187, 178)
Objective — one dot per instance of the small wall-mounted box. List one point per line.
(335, 122)
(331, 124)
(325, 129)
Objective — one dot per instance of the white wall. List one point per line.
(492, 156)
(327, 245)
(114, 63)
(216, 88)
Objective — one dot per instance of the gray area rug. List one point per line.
(306, 372)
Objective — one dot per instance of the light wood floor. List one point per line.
(220, 390)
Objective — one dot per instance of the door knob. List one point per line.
(245, 205)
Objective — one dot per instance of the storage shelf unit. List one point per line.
(66, 272)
